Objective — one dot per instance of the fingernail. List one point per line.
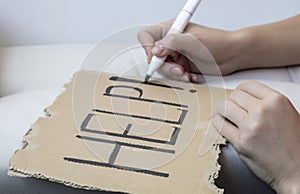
(176, 71)
(158, 49)
(194, 78)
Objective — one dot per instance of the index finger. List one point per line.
(255, 89)
(149, 35)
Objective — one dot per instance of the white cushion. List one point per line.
(38, 67)
(17, 113)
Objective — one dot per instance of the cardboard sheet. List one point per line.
(113, 133)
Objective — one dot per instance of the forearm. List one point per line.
(272, 45)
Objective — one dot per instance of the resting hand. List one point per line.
(264, 128)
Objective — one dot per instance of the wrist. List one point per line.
(247, 48)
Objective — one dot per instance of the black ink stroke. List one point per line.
(84, 128)
(125, 133)
(146, 100)
(150, 148)
(114, 154)
(121, 79)
(109, 89)
(179, 122)
(107, 165)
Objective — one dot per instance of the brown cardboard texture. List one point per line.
(115, 133)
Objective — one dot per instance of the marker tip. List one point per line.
(147, 78)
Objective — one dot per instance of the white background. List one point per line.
(31, 22)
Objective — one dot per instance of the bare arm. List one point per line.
(271, 45)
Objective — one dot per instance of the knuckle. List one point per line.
(143, 38)
(255, 127)
(170, 41)
(140, 34)
(245, 83)
(140, 37)
(277, 98)
(245, 142)
(272, 102)
(176, 42)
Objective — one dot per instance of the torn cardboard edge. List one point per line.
(28, 144)
(13, 171)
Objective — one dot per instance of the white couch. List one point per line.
(32, 76)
